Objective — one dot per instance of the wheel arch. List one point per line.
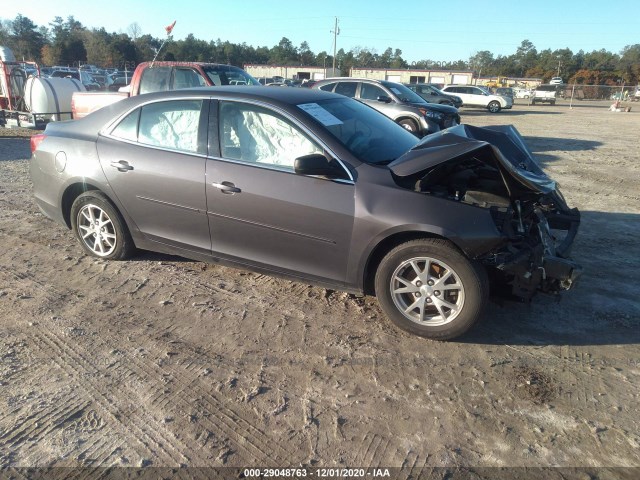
(408, 117)
(385, 246)
(72, 192)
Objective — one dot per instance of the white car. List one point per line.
(522, 93)
(473, 96)
(556, 81)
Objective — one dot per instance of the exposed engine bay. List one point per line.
(492, 168)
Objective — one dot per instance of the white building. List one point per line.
(290, 71)
(441, 77)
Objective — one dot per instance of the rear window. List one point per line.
(547, 88)
(228, 75)
(155, 79)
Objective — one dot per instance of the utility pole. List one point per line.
(336, 32)
(559, 65)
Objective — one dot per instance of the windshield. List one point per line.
(369, 135)
(228, 75)
(404, 94)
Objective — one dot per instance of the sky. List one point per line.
(446, 30)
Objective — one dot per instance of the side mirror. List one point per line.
(384, 98)
(317, 164)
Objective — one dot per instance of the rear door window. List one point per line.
(174, 125)
(348, 89)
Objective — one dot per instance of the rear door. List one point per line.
(462, 93)
(477, 96)
(154, 160)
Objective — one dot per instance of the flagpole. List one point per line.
(168, 29)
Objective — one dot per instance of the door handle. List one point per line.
(226, 187)
(121, 165)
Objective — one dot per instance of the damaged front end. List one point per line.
(492, 168)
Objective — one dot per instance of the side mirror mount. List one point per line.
(317, 164)
(384, 99)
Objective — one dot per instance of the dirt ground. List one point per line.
(162, 361)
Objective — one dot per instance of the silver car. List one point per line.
(397, 102)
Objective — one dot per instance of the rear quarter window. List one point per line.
(328, 87)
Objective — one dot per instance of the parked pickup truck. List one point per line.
(159, 76)
(544, 94)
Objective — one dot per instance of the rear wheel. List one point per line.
(100, 228)
(428, 288)
(409, 124)
(494, 106)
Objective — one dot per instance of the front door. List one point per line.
(261, 212)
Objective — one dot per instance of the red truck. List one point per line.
(159, 76)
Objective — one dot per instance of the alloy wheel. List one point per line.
(96, 230)
(427, 291)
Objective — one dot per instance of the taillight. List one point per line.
(36, 140)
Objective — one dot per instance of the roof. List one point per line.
(283, 97)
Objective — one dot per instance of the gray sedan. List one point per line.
(312, 186)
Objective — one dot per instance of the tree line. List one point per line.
(68, 42)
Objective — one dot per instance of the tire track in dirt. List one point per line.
(136, 429)
(28, 281)
(41, 422)
(244, 434)
(229, 421)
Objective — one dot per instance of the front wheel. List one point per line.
(100, 228)
(494, 106)
(428, 288)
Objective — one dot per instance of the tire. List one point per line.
(552, 103)
(112, 241)
(438, 314)
(494, 106)
(409, 124)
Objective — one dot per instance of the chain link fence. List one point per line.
(577, 92)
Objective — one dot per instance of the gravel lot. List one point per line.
(162, 361)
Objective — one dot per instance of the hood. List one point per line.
(503, 144)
